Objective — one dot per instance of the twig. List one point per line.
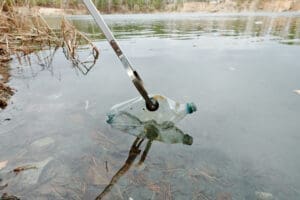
(23, 168)
(106, 166)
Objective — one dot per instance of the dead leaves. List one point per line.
(154, 187)
(3, 164)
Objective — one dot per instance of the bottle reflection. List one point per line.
(132, 155)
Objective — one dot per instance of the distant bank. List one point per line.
(242, 6)
(154, 6)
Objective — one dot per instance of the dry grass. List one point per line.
(23, 33)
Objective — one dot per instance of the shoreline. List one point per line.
(162, 15)
(228, 6)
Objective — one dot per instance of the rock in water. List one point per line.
(31, 177)
(263, 196)
(5, 196)
(43, 142)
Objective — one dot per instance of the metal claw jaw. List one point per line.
(151, 104)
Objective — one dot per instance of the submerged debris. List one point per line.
(263, 195)
(297, 91)
(23, 168)
(5, 93)
(3, 164)
(224, 196)
(3, 186)
(5, 196)
(43, 142)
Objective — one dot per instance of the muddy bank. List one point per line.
(5, 94)
(5, 91)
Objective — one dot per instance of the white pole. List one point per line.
(137, 81)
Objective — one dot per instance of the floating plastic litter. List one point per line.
(134, 118)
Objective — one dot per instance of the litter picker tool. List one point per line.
(151, 103)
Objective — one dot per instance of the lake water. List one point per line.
(240, 70)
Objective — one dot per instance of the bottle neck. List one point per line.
(190, 108)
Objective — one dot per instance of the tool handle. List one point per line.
(137, 81)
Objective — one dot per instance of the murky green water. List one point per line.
(241, 71)
(283, 27)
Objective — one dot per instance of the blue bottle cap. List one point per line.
(190, 108)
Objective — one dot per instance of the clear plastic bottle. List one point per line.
(134, 118)
(166, 132)
(168, 109)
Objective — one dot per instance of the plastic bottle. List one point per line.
(166, 132)
(168, 109)
(134, 118)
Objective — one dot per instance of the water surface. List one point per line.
(241, 71)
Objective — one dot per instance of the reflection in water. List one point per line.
(284, 28)
(83, 63)
(133, 153)
(72, 39)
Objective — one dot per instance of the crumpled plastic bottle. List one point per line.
(134, 118)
